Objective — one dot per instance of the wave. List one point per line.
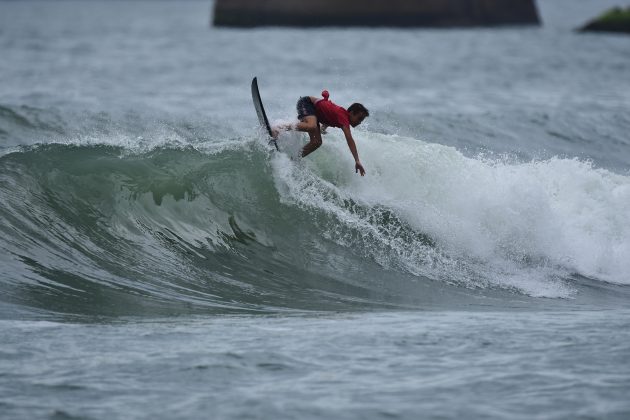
(231, 226)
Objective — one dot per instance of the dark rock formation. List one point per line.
(614, 20)
(393, 13)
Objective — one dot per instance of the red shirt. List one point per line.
(331, 114)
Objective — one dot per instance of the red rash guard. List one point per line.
(329, 113)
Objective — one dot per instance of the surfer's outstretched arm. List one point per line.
(353, 149)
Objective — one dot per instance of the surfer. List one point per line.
(314, 111)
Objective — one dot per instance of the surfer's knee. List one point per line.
(312, 126)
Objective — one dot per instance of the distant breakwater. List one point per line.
(375, 13)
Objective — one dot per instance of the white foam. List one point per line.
(516, 225)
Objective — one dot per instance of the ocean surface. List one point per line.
(159, 260)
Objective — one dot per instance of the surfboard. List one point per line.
(260, 111)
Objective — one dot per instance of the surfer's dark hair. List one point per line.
(358, 109)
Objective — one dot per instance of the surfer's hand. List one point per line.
(359, 168)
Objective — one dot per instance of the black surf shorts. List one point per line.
(305, 107)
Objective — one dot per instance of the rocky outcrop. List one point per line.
(614, 20)
(392, 13)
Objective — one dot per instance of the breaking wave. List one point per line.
(102, 227)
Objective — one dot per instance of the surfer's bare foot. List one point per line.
(276, 129)
(275, 132)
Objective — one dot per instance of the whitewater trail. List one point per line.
(517, 224)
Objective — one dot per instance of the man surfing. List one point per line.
(314, 111)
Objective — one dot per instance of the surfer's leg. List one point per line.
(308, 124)
(316, 139)
(307, 121)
